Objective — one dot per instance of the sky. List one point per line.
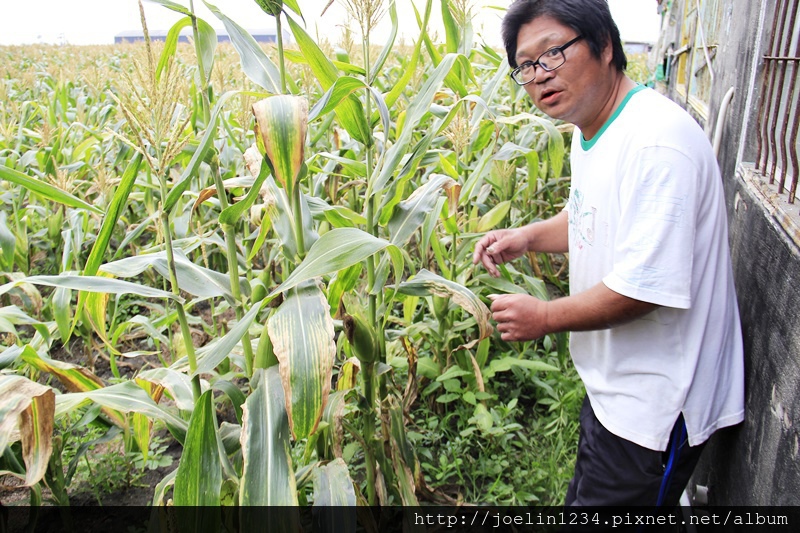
(97, 21)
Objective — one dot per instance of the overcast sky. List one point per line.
(97, 21)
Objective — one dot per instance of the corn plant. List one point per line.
(326, 224)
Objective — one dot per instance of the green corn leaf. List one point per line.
(91, 284)
(30, 408)
(418, 108)
(408, 72)
(555, 141)
(377, 68)
(335, 250)
(412, 212)
(199, 479)
(341, 91)
(194, 279)
(302, 337)
(8, 243)
(267, 476)
(128, 397)
(350, 112)
(255, 62)
(405, 462)
(233, 213)
(451, 29)
(206, 144)
(62, 312)
(505, 364)
(171, 44)
(212, 354)
(115, 209)
(294, 6)
(234, 394)
(174, 6)
(334, 498)
(426, 283)
(494, 217)
(295, 56)
(45, 190)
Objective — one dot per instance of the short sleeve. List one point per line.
(654, 245)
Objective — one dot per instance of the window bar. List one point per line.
(793, 147)
(784, 66)
(767, 88)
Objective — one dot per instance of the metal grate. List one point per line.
(779, 110)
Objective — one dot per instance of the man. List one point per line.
(656, 335)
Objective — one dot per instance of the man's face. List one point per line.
(577, 90)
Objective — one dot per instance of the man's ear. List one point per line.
(607, 54)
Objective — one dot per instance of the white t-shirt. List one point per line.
(647, 218)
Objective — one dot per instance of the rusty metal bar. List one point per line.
(780, 151)
(793, 147)
(767, 87)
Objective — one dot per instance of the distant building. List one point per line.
(261, 36)
(637, 47)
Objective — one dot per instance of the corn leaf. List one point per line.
(281, 124)
(350, 113)
(8, 243)
(255, 62)
(451, 29)
(495, 215)
(194, 279)
(411, 213)
(295, 56)
(233, 213)
(334, 409)
(29, 407)
(377, 68)
(174, 6)
(334, 251)
(128, 397)
(267, 476)
(416, 110)
(208, 44)
(176, 383)
(294, 6)
(46, 190)
(199, 477)
(91, 284)
(334, 498)
(206, 144)
(302, 337)
(404, 461)
(212, 354)
(340, 91)
(555, 141)
(426, 283)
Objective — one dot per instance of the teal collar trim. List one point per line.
(587, 145)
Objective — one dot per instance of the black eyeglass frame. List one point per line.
(534, 64)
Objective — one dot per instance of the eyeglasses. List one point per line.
(549, 61)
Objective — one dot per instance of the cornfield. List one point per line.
(263, 252)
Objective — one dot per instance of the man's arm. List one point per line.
(505, 245)
(521, 317)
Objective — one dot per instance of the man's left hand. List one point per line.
(519, 317)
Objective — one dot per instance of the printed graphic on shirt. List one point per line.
(581, 221)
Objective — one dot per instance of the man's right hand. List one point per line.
(498, 247)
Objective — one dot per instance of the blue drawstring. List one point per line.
(678, 436)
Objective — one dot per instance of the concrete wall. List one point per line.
(756, 463)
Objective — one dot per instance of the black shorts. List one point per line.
(610, 470)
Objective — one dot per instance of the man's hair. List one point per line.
(589, 18)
